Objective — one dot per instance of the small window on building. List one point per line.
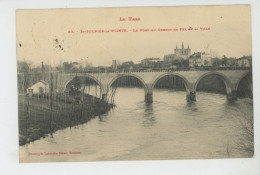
(40, 90)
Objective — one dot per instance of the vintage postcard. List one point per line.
(139, 83)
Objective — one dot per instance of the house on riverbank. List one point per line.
(41, 87)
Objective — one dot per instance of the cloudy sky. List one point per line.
(42, 35)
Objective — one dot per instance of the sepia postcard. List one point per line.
(139, 83)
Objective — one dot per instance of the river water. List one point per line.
(170, 128)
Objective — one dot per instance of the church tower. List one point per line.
(182, 52)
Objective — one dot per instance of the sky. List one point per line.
(43, 35)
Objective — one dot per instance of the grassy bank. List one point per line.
(37, 119)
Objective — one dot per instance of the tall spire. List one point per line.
(176, 46)
(188, 46)
(182, 46)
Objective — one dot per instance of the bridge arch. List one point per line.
(145, 87)
(186, 82)
(128, 75)
(241, 78)
(86, 75)
(244, 85)
(222, 76)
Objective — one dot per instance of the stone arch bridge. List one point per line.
(231, 78)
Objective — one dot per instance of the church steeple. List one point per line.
(182, 46)
(176, 46)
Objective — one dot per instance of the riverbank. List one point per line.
(37, 119)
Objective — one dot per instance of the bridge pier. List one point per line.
(148, 97)
(104, 89)
(191, 96)
(232, 96)
(104, 97)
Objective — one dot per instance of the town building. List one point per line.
(206, 59)
(200, 59)
(115, 64)
(182, 52)
(41, 87)
(179, 53)
(148, 61)
(231, 62)
(245, 61)
(169, 58)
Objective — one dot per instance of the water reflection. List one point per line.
(192, 106)
(148, 109)
(149, 117)
(231, 103)
(102, 118)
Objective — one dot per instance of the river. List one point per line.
(170, 128)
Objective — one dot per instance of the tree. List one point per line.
(75, 85)
(224, 61)
(23, 67)
(24, 80)
(176, 62)
(67, 66)
(77, 82)
(184, 62)
(126, 65)
(59, 68)
(206, 62)
(216, 62)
